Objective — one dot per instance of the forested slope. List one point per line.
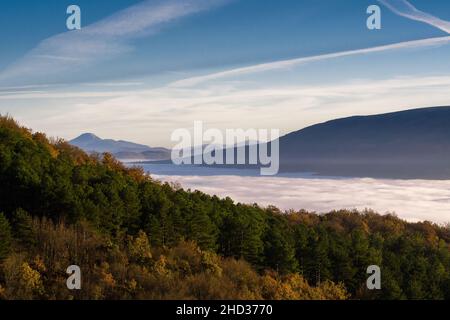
(134, 237)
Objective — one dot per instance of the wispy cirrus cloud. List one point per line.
(105, 39)
(285, 64)
(400, 7)
(406, 9)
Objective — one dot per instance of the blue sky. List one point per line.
(139, 69)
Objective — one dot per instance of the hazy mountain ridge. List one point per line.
(121, 149)
(411, 144)
(406, 144)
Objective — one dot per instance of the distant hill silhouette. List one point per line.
(407, 144)
(412, 144)
(90, 143)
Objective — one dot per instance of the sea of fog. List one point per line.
(413, 200)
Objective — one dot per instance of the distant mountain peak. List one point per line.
(87, 137)
(90, 142)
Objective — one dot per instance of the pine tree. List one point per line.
(22, 227)
(202, 230)
(5, 237)
(279, 249)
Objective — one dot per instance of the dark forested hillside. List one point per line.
(134, 237)
(408, 144)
